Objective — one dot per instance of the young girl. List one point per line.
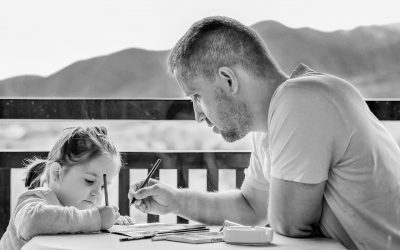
(65, 190)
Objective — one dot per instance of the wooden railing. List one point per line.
(138, 109)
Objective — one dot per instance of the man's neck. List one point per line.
(262, 99)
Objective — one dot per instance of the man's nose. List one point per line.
(198, 113)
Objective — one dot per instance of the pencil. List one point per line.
(153, 169)
(105, 188)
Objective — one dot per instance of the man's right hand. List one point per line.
(156, 198)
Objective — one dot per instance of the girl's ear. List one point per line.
(55, 171)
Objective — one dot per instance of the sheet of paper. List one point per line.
(196, 238)
(150, 229)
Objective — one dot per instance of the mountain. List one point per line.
(367, 56)
(125, 74)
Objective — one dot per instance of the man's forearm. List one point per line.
(214, 208)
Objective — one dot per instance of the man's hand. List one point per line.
(156, 198)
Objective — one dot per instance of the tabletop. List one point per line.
(100, 241)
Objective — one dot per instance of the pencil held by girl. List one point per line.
(65, 190)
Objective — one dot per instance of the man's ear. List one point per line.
(55, 171)
(230, 77)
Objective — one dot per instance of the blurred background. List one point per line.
(118, 49)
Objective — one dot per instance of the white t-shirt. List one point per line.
(320, 129)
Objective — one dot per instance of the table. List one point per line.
(106, 241)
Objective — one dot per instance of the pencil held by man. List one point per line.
(145, 182)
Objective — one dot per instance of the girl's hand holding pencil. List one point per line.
(109, 215)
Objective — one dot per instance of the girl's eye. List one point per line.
(89, 181)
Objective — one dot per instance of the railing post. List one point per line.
(239, 177)
(123, 189)
(183, 182)
(5, 183)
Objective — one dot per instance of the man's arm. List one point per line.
(246, 206)
(295, 208)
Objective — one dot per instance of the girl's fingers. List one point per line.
(131, 220)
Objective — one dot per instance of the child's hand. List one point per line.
(108, 214)
(125, 220)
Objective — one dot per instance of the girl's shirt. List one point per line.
(39, 211)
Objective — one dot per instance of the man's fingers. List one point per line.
(147, 191)
(138, 184)
(142, 207)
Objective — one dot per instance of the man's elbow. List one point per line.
(291, 229)
(259, 220)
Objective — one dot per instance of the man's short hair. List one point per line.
(214, 42)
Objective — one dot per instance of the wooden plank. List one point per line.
(5, 181)
(134, 109)
(183, 182)
(144, 160)
(385, 109)
(15, 159)
(85, 109)
(239, 177)
(123, 189)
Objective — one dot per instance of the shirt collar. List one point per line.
(301, 69)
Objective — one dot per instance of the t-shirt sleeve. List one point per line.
(254, 174)
(303, 124)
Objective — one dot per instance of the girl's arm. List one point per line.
(35, 216)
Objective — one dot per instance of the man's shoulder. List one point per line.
(311, 85)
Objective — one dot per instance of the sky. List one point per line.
(41, 37)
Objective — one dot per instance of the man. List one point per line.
(321, 162)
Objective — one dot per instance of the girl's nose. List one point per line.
(96, 192)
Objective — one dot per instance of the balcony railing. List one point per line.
(138, 109)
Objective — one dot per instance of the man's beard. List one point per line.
(236, 118)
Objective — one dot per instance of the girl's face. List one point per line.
(81, 185)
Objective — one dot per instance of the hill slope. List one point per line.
(369, 57)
